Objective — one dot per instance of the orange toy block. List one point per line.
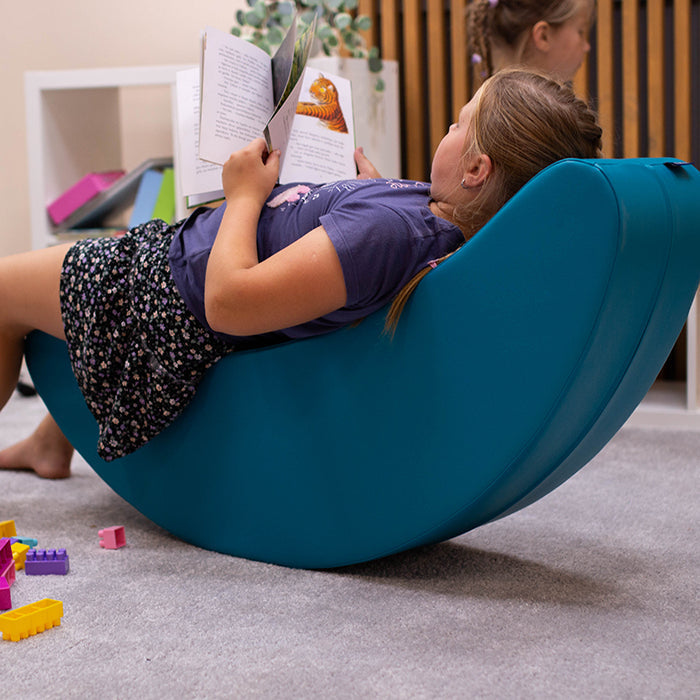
(7, 528)
(31, 619)
(19, 554)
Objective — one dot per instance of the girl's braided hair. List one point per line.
(506, 23)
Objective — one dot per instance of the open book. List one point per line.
(246, 94)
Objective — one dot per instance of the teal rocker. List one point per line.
(513, 364)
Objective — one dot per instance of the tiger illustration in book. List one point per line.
(326, 108)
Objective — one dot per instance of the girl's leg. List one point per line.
(46, 451)
(29, 300)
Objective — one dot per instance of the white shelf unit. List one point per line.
(73, 128)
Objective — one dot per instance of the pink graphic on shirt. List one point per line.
(293, 194)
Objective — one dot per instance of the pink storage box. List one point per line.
(83, 191)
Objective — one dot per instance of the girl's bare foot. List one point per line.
(46, 451)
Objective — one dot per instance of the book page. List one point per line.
(321, 150)
(278, 129)
(196, 175)
(282, 63)
(288, 70)
(236, 94)
(289, 61)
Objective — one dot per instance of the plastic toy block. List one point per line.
(40, 562)
(31, 619)
(29, 541)
(19, 554)
(7, 563)
(9, 573)
(5, 597)
(80, 193)
(112, 537)
(7, 528)
(5, 551)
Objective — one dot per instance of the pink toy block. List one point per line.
(5, 551)
(5, 597)
(80, 193)
(9, 574)
(40, 562)
(7, 562)
(112, 537)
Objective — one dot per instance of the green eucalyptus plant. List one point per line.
(338, 29)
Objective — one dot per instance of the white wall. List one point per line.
(46, 35)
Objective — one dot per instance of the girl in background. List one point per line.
(550, 36)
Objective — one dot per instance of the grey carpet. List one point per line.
(590, 593)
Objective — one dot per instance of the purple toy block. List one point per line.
(41, 562)
(5, 597)
(112, 537)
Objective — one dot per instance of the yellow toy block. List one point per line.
(19, 554)
(31, 619)
(7, 528)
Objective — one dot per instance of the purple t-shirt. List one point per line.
(383, 232)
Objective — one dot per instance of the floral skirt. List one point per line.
(137, 352)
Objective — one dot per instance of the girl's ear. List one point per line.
(541, 36)
(478, 170)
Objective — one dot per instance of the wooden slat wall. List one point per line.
(369, 7)
(415, 94)
(606, 97)
(459, 58)
(438, 85)
(625, 77)
(630, 78)
(655, 76)
(683, 79)
(638, 41)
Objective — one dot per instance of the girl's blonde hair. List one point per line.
(506, 23)
(524, 121)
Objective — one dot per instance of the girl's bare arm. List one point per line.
(244, 296)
